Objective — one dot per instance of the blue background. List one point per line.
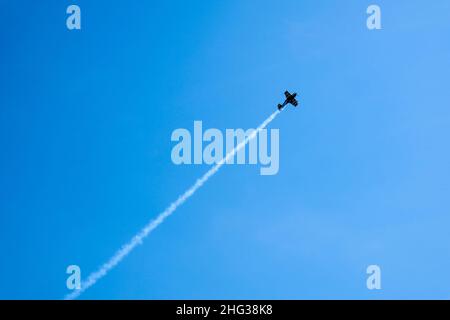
(86, 118)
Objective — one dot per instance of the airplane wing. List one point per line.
(287, 94)
(294, 102)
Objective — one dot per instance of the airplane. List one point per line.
(290, 98)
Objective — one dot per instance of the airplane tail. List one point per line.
(280, 106)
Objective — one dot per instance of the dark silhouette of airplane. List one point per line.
(290, 98)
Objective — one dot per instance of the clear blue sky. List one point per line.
(86, 118)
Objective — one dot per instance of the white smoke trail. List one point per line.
(153, 224)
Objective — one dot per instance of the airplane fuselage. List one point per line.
(291, 97)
